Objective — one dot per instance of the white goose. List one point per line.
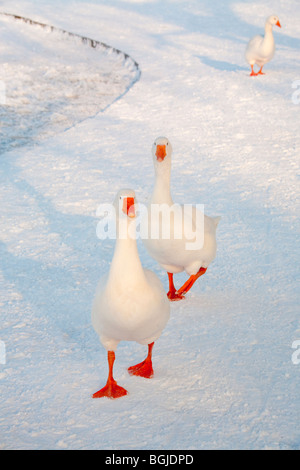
(130, 303)
(174, 253)
(261, 49)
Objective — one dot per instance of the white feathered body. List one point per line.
(186, 241)
(130, 303)
(260, 49)
(186, 253)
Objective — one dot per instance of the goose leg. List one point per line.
(111, 389)
(191, 281)
(260, 71)
(253, 74)
(172, 294)
(144, 368)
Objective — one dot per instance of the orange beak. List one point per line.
(278, 24)
(128, 206)
(160, 152)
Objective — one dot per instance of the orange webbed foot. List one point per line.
(111, 390)
(175, 296)
(144, 368)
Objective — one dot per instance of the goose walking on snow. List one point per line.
(261, 49)
(130, 302)
(174, 252)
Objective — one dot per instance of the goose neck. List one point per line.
(268, 29)
(126, 266)
(162, 192)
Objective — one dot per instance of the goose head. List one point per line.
(124, 204)
(161, 152)
(273, 20)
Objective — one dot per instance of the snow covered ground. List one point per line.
(225, 377)
(65, 79)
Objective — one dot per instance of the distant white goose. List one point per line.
(174, 253)
(261, 49)
(130, 302)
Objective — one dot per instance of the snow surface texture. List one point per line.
(65, 79)
(224, 375)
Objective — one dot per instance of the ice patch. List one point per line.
(65, 79)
